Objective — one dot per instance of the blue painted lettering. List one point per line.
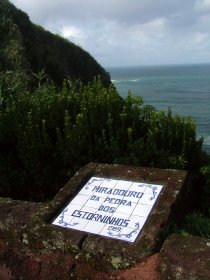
(125, 193)
(113, 228)
(76, 214)
(117, 201)
(107, 209)
(101, 218)
(95, 198)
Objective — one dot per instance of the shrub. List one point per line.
(198, 224)
(46, 136)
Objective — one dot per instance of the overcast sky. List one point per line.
(129, 32)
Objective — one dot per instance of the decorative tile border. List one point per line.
(109, 207)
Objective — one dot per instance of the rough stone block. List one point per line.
(185, 258)
(111, 252)
(27, 227)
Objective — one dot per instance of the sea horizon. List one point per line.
(185, 88)
(158, 65)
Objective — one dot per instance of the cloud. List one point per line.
(73, 33)
(86, 10)
(202, 5)
(124, 32)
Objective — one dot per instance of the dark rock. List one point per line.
(185, 258)
(5, 274)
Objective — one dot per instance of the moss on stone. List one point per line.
(118, 262)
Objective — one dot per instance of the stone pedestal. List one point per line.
(28, 227)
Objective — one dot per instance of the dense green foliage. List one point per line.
(198, 224)
(29, 48)
(48, 135)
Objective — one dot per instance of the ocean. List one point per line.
(183, 88)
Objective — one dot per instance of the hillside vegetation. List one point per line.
(30, 49)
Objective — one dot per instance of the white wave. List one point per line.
(125, 81)
(207, 140)
(117, 81)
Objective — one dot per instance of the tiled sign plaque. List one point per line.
(109, 207)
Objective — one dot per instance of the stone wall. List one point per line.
(32, 248)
